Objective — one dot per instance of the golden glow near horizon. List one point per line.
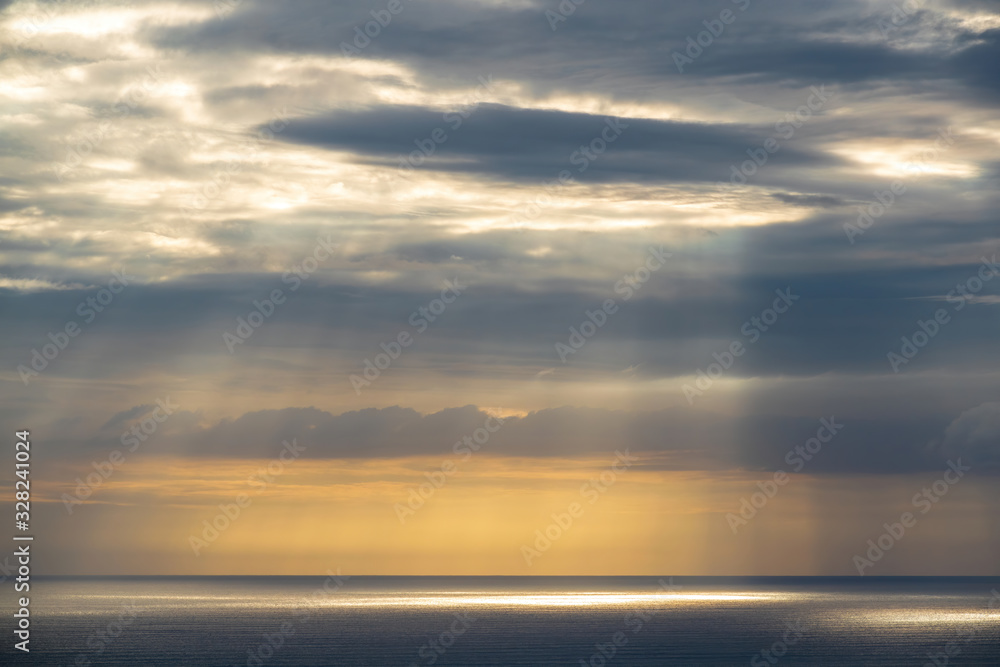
(475, 523)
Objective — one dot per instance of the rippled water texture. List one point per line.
(383, 621)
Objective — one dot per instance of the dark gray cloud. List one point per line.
(790, 44)
(848, 315)
(818, 201)
(755, 442)
(124, 416)
(979, 62)
(527, 144)
(975, 435)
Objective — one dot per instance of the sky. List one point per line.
(503, 286)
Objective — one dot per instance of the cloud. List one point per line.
(974, 436)
(35, 285)
(127, 415)
(331, 172)
(811, 201)
(848, 318)
(979, 63)
(801, 44)
(532, 144)
(750, 442)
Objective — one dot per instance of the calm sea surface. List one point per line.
(573, 621)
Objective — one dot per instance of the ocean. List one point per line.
(536, 621)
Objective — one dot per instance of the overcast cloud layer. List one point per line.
(216, 153)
